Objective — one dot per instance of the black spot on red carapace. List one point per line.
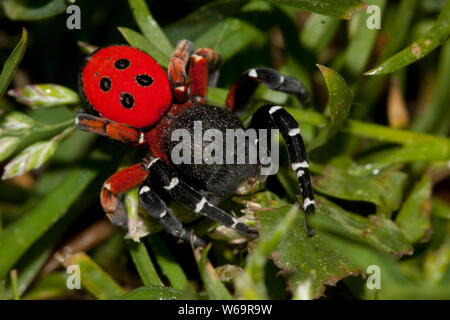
(144, 80)
(105, 84)
(122, 64)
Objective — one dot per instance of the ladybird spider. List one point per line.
(140, 105)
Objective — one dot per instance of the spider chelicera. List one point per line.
(140, 104)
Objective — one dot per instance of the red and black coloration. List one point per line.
(140, 104)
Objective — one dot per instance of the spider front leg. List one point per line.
(159, 210)
(160, 174)
(243, 89)
(118, 183)
(177, 70)
(113, 130)
(203, 72)
(275, 116)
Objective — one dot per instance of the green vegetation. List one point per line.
(377, 138)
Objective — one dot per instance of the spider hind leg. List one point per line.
(271, 116)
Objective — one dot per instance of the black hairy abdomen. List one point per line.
(220, 179)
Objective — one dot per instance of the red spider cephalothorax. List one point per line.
(141, 105)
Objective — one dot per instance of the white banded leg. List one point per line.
(275, 116)
(165, 176)
(272, 79)
(159, 210)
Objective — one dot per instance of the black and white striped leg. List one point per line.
(275, 116)
(242, 90)
(163, 175)
(159, 210)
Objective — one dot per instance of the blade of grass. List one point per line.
(93, 278)
(215, 289)
(10, 66)
(202, 20)
(143, 263)
(318, 32)
(432, 115)
(170, 268)
(414, 216)
(31, 263)
(398, 24)
(343, 9)
(150, 27)
(17, 237)
(15, 290)
(421, 151)
(358, 51)
(373, 131)
(440, 208)
(152, 293)
(33, 10)
(419, 48)
(139, 41)
(49, 286)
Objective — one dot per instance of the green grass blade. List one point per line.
(139, 41)
(360, 48)
(432, 116)
(170, 268)
(30, 264)
(420, 151)
(152, 293)
(215, 289)
(440, 208)
(202, 20)
(419, 48)
(93, 278)
(343, 9)
(373, 131)
(14, 286)
(228, 37)
(49, 286)
(33, 10)
(318, 32)
(143, 263)
(10, 66)
(414, 216)
(17, 237)
(150, 27)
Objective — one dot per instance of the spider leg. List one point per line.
(113, 130)
(161, 174)
(119, 182)
(203, 71)
(159, 210)
(275, 116)
(177, 69)
(244, 87)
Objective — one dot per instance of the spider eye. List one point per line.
(144, 80)
(122, 64)
(105, 84)
(127, 100)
